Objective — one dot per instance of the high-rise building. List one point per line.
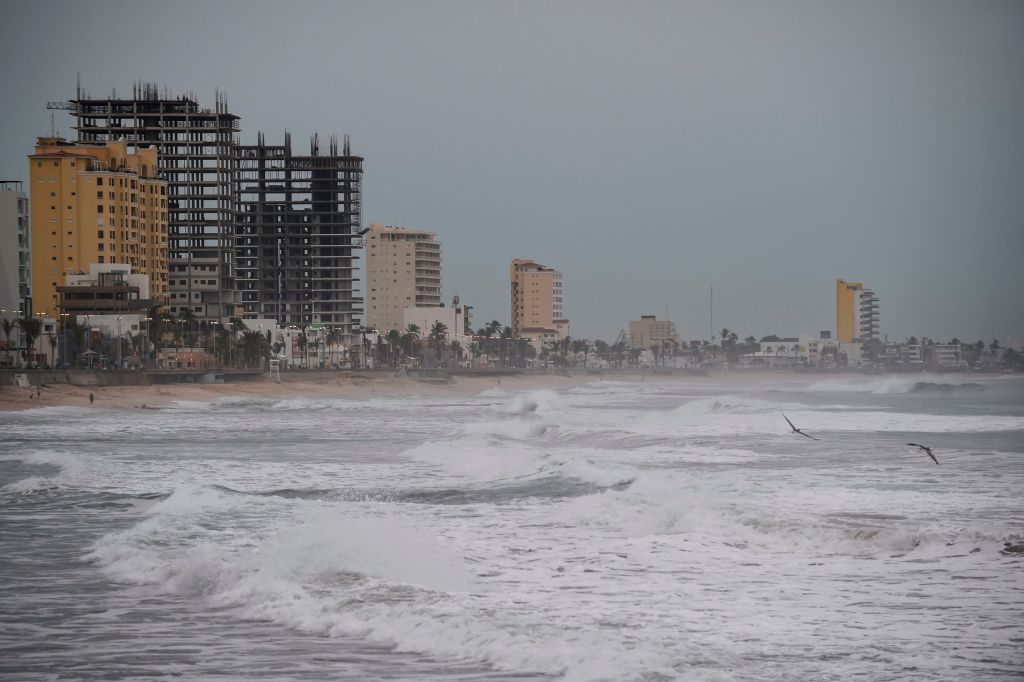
(15, 254)
(95, 204)
(537, 301)
(403, 270)
(298, 225)
(856, 312)
(197, 155)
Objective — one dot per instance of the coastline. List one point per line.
(338, 384)
(320, 385)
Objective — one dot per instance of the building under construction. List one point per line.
(198, 156)
(298, 231)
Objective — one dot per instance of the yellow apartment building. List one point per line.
(95, 204)
(403, 270)
(537, 301)
(856, 312)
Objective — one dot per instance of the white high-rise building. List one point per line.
(15, 242)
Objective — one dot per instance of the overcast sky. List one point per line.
(648, 150)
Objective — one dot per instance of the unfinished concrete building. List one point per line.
(298, 225)
(197, 151)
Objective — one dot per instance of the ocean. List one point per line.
(619, 530)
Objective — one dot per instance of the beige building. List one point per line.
(95, 204)
(649, 331)
(537, 301)
(403, 270)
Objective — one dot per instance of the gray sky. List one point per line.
(649, 150)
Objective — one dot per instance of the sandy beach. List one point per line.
(296, 385)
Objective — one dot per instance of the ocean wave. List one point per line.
(388, 579)
(895, 384)
(669, 505)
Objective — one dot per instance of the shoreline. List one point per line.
(353, 386)
(18, 398)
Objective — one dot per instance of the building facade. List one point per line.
(537, 301)
(649, 331)
(107, 289)
(197, 155)
(856, 313)
(15, 248)
(297, 234)
(403, 270)
(95, 204)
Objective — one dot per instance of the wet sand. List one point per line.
(291, 386)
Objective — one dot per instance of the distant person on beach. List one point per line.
(92, 398)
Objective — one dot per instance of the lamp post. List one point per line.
(64, 337)
(213, 326)
(119, 362)
(144, 329)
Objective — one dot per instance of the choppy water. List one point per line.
(619, 531)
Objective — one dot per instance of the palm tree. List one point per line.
(303, 345)
(314, 346)
(493, 328)
(8, 327)
(436, 338)
(30, 327)
(580, 346)
(456, 349)
(394, 347)
(411, 339)
(188, 319)
(53, 346)
(254, 347)
(334, 339)
(547, 350)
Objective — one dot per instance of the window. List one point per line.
(101, 259)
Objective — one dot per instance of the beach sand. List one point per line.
(295, 385)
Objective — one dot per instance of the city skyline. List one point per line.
(652, 152)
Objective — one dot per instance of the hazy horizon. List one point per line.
(649, 151)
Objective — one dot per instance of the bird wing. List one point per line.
(805, 434)
(932, 456)
(790, 423)
(916, 445)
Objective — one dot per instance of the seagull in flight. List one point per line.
(926, 449)
(796, 430)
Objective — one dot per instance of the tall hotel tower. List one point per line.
(95, 204)
(403, 270)
(537, 301)
(856, 312)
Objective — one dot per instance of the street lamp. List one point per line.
(213, 325)
(144, 327)
(119, 363)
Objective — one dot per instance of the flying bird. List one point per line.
(926, 449)
(796, 430)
